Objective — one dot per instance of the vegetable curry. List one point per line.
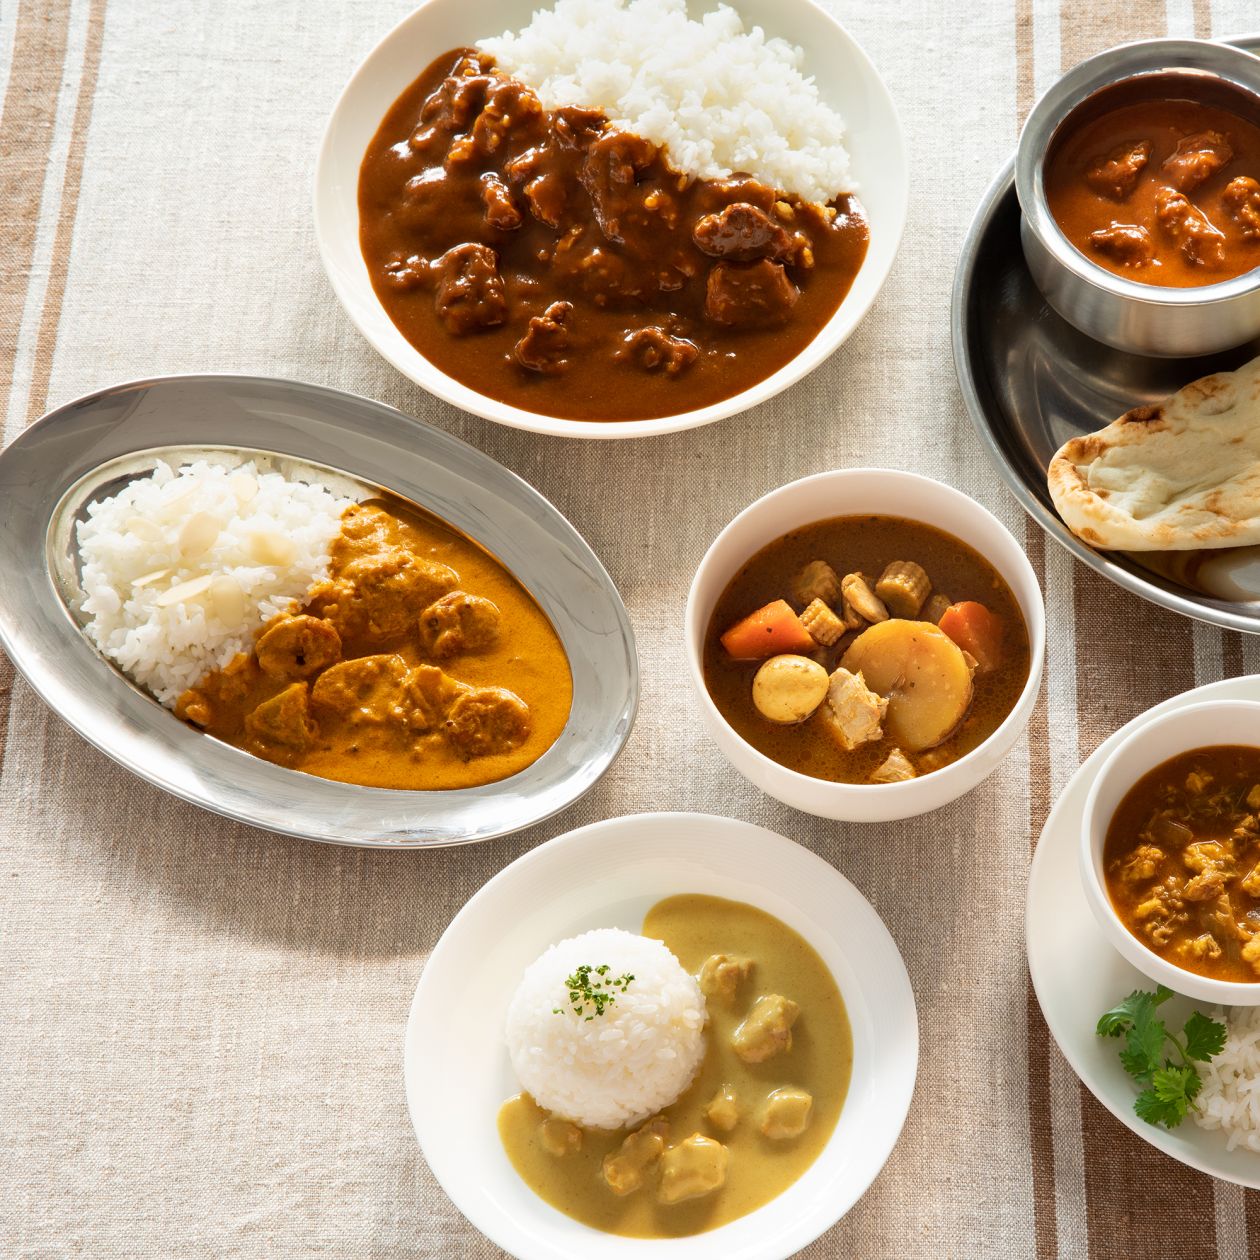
(419, 663)
(887, 650)
(762, 1107)
(1182, 862)
(560, 264)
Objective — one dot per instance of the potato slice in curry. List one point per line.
(921, 672)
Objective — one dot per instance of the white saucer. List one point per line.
(1077, 975)
(608, 875)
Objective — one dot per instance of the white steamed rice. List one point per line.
(180, 569)
(721, 99)
(624, 1065)
(1230, 1098)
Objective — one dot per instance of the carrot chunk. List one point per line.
(768, 632)
(976, 630)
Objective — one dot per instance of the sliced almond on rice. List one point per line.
(268, 546)
(243, 486)
(147, 579)
(183, 592)
(227, 599)
(199, 534)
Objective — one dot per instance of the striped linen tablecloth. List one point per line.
(201, 1024)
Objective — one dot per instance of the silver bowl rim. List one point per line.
(121, 721)
(1228, 60)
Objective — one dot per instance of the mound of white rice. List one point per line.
(721, 99)
(620, 1067)
(1230, 1098)
(181, 568)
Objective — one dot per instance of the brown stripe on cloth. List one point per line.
(1086, 29)
(1128, 1184)
(1202, 19)
(27, 117)
(1231, 654)
(1024, 72)
(1040, 1119)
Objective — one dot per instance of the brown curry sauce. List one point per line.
(480, 212)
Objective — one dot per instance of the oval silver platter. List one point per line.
(89, 448)
(1031, 381)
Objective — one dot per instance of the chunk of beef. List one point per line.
(406, 273)
(487, 720)
(427, 200)
(749, 295)
(379, 596)
(544, 185)
(1199, 241)
(428, 694)
(470, 293)
(1196, 159)
(1115, 174)
(575, 126)
(452, 105)
(542, 348)
(655, 350)
(1242, 201)
(742, 233)
(501, 211)
(366, 691)
(509, 107)
(1127, 243)
(609, 175)
(280, 729)
(740, 188)
(457, 623)
(298, 647)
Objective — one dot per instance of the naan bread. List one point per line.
(1178, 476)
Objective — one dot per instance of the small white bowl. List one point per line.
(846, 78)
(858, 492)
(1199, 726)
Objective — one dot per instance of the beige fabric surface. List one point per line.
(201, 1024)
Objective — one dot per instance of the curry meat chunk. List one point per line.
(1162, 911)
(692, 1169)
(427, 696)
(1202, 948)
(457, 623)
(610, 175)
(859, 593)
(852, 713)
(1196, 159)
(787, 1113)
(470, 292)
(655, 350)
(721, 975)
(501, 211)
(1251, 954)
(544, 347)
(1142, 864)
(723, 1109)
(625, 1168)
(1242, 201)
(1127, 243)
(1199, 241)
(1116, 174)
(298, 647)
(895, 768)
(559, 1137)
(749, 295)
(280, 728)
(365, 691)
(379, 596)
(767, 1029)
(487, 720)
(742, 233)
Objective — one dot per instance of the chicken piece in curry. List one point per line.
(838, 652)
(394, 673)
(560, 264)
(762, 1106)
(1182, 862)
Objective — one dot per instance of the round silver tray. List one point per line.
(1031, 381)
(87, 448)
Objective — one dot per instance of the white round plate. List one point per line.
(845, 76)
(1077, 974)
(608, 875)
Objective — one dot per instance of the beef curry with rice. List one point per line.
(866, 649)
(558, 263)
(1182, 862)
(762, 1107)
(420, 663)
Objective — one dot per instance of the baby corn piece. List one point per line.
(903, 586)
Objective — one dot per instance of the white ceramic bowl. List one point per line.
(857, 492)
(1150, 745)
(608, 875)
(844, 73)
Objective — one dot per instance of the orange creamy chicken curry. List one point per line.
(866, 649)
(1182, 862)
(1161, 189)
(558, 263)
(419, 663)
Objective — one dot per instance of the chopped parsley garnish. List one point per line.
(1160, 1061)
(592, 991)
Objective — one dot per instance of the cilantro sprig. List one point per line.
(1159, 1060)
(592, 991)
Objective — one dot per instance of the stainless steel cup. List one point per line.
(1139, 318)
